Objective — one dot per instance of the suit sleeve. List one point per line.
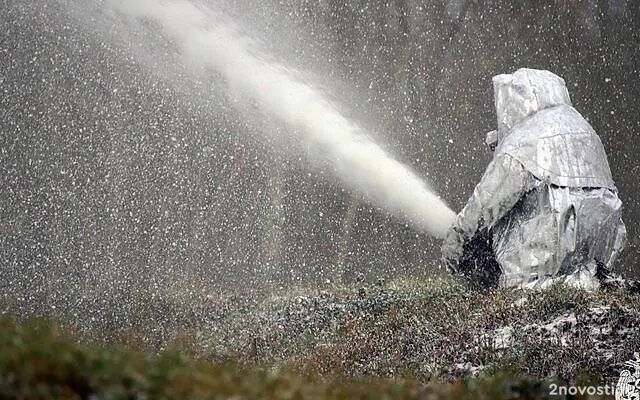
(504, 182)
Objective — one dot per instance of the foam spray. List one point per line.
(210, 40)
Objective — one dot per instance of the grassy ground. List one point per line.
(419, 338)
(38, 361)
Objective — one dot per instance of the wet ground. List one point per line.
(426, 328)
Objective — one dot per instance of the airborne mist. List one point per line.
(210, 40)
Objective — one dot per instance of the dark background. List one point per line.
(117, 173)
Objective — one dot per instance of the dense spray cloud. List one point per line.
(210, 40)
(120, 170)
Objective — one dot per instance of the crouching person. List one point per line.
(546, 208)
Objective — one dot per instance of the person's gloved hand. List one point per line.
(453, 249)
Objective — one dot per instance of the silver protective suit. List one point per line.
(547, 198)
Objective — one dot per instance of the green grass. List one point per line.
(406, 339)
(38, 360)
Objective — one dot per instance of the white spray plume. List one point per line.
(207, 39)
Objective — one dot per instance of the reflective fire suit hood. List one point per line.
(538, 127)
